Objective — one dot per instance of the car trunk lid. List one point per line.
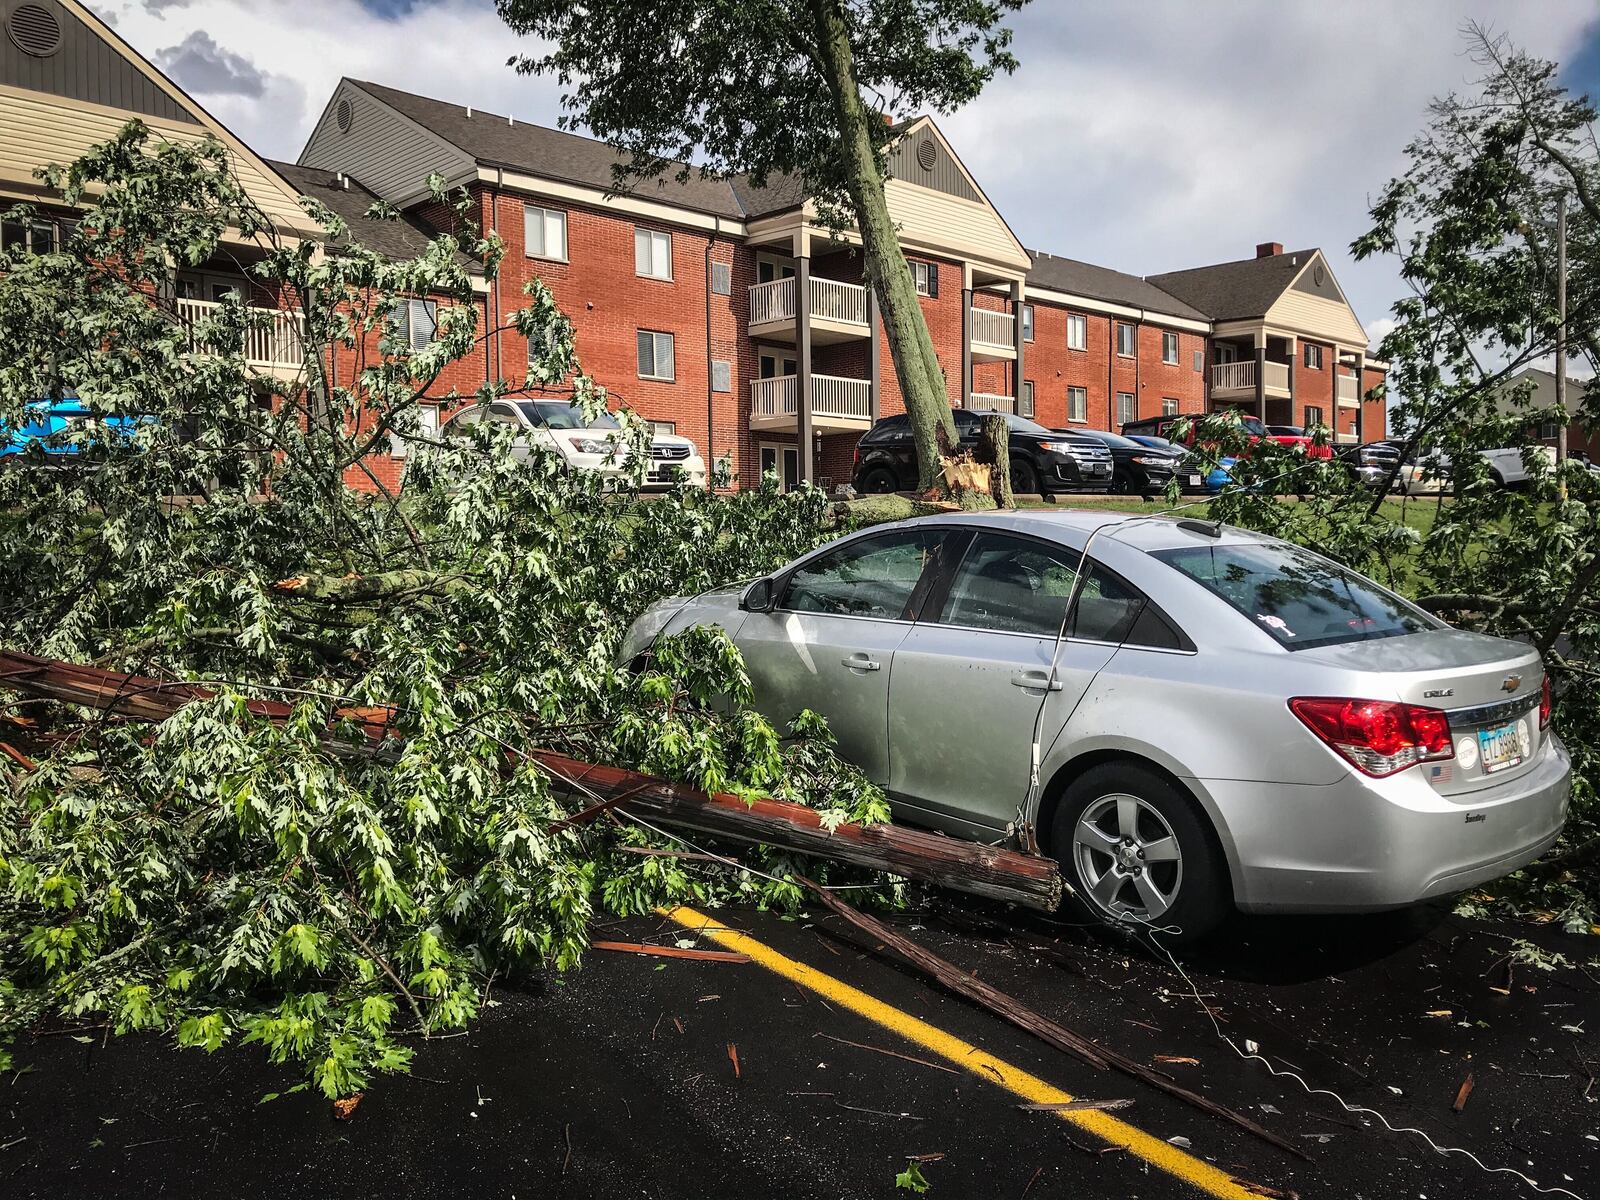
(1489, 686)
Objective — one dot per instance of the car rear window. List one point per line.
(1299, 598)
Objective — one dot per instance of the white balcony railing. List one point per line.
(272, 342)
(993, 328)
(989, 402)
(772, 301)
(1241, 376)
(831, 396)
(830, 300)
(1349, 392)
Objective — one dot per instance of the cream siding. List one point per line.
(389, 153)
(37, 129)
(1316, 317)
(944, 224)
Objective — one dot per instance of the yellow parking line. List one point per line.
(1162, 1155)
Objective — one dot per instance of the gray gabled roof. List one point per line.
(1236, 290)
(405, 237)
(1544, 387)
(1102, 283)
(497, 141)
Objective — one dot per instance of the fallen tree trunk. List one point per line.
(1004, 875)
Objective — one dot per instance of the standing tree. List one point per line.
(798, 88)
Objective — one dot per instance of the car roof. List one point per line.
(1143, 531)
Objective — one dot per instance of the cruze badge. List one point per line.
(1438, 693)
(1512, 683)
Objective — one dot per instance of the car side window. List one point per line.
(499, 414)
(869, 577)
(1011, 585)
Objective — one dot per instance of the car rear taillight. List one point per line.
(1377, 737)
(1544, 703)
(857, 459)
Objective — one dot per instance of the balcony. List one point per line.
(271, 344)
(836, 402)
(1237, 380)
(838, 310)
(989, 402)
(993, 335)
(1349, 393)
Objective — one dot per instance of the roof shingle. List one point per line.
(550, 153)
(405, 237)
(1233, 290)
(1102, 283)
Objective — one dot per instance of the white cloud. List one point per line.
(1145, 137)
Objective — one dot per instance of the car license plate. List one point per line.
(1194, 481)
(1501, 746)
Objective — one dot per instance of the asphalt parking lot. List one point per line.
(821, 1067)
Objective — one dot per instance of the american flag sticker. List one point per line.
(1439, 773)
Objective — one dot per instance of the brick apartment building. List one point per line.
(722, 311)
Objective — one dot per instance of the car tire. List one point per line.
(1024, 479)
(1188, 894)
(879, 481)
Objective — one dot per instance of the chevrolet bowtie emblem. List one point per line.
(1511, 683)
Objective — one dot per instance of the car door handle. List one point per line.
(1036, 680)
(860, 662)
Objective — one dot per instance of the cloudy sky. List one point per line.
(1146, 135)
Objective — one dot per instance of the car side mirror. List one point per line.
(759, 596)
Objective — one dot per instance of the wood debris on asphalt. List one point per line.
(921, 1062)
(1048, 1031)
(1078, 1106)
(733, 1057)
(1463, 1092)
(1182, 1060)
(723, 956)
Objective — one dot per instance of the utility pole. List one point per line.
(1561, 338)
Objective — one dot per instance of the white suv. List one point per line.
(585, 445)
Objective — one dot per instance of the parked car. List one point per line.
(1043, 462)
(1428, 472)
(1165, 427)
(1137, 469)
(584, 444)
(1229, 720)
(46, 424)
(1292, 436)
(1372, 463)
(1192, 478)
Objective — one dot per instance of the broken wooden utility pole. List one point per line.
(988, 871)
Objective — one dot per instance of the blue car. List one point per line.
(45, 422)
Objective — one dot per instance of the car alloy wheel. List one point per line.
(1128, 858)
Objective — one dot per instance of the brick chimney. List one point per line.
(1268, 249)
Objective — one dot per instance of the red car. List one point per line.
(1293, 435)
(1284, 435)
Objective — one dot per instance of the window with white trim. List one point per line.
(1313, 356)
(721, 279)
(1169, 406)
(1125, 340)
(1169, 347)
(668, 427)
(721, 375)
(1025, 401)
(1027, 322)
(926, 277)
(1200, 361)
(656, 359)
(544, 232)
(1315, 415)
(1077, 331)
(1127, 408)
(652, 254)
(1077, 404)
(34, 237)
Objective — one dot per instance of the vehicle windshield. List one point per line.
(1302, 600)
(1286, 431)
(1114, 440)
(1023, 425)
(1254, 427)
(558, 414)
(1159, 443)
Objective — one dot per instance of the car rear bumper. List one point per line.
(1384, 843)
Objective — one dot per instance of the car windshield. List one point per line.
(558, 414)
(1254, 427)
(1159, 443)
(1286, 430)
(1302, 600)
(1023, 425)
(1114, 440)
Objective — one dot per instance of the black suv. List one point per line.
(1042, 461)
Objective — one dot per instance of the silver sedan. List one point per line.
(1198, 718)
